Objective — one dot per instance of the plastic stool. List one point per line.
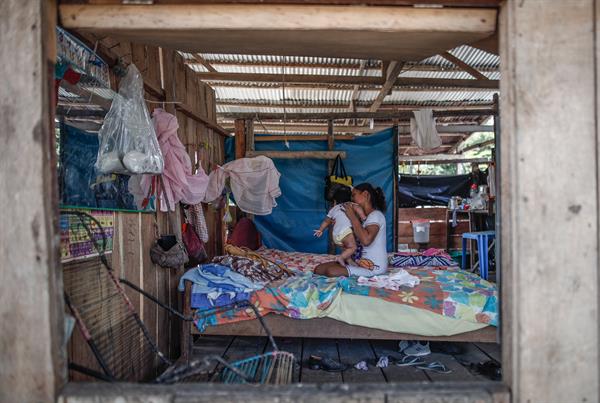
(482, 238)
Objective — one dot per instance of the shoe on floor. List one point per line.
(403, 345)
(416, 349)
(325, 363)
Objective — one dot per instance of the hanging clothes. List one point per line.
(180, 183)
(423, 130)
(254, 183)
(195, 216)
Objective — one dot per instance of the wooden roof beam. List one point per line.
(469, 69)
(200, 60)
(391, 75)
(321, 155)
(336, 79)
(355, 91)
(401, 33)
(450, 105)
(440, 159)
(347, 66)
(450, 131)
(402, 115)
(242, 85)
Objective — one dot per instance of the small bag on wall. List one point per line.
(172, 257)
(337, 177)
(167, 251)
(194, 245)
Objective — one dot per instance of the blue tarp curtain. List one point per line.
(301, 207)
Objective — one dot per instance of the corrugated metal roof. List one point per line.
(470, 55)
(250, 97)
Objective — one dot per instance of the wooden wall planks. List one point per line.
(136, 232)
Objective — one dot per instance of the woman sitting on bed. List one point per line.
(370, 234)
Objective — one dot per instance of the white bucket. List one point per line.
(421, 231)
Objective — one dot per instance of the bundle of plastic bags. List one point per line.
(128, 143)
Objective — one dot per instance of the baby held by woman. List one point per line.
(342, 228)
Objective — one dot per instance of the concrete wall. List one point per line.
(549, 189)
(32, 364)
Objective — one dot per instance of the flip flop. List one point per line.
(316, 362)
(436, 367)
(409, 361)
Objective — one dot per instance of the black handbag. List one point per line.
(337, 178)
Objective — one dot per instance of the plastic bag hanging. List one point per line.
(128, 143)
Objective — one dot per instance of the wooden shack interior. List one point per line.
(149, 280)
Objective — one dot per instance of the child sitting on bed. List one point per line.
(342, 228)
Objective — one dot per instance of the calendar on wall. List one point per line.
(75, 242)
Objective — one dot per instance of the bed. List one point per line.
(448, 305)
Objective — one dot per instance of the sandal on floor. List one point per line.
(316, 362)
(409, 361)
(436, 367)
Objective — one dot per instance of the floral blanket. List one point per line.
(447, 291)
(302, 297)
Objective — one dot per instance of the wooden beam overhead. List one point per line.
(401, 115)
(469, 69)
(253, 64)
(320, 155)
(307, 137)
(198, 58)
(384, 33)
(356, 91)
(430, 3)
(478, 145)
(440, 159)
(391, 75)
(350, 80)
(450, 105)
(489, 44)
(403, 130)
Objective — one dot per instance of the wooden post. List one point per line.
(330, 146)
(549, 188)
(249, 127)
(240, 138)
(32, 349)
(395, 188)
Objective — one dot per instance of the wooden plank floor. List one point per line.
(461, 358)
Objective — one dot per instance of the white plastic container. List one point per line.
(421, 231)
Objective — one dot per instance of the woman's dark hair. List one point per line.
(377, 196)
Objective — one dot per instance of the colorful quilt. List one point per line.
(302, 297)
(298, 261)
(446, 291)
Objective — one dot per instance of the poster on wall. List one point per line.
(80, 184)
(75, 242)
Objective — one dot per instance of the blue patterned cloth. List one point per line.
(418, 261)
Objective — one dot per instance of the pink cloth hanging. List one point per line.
(180, 184)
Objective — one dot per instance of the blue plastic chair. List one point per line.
(482, 238)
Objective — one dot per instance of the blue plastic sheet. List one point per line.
(414, 190)
(80, 185)
(301, 207)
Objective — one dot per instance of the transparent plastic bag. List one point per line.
(128, 143)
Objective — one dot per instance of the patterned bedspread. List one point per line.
(447, 291)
